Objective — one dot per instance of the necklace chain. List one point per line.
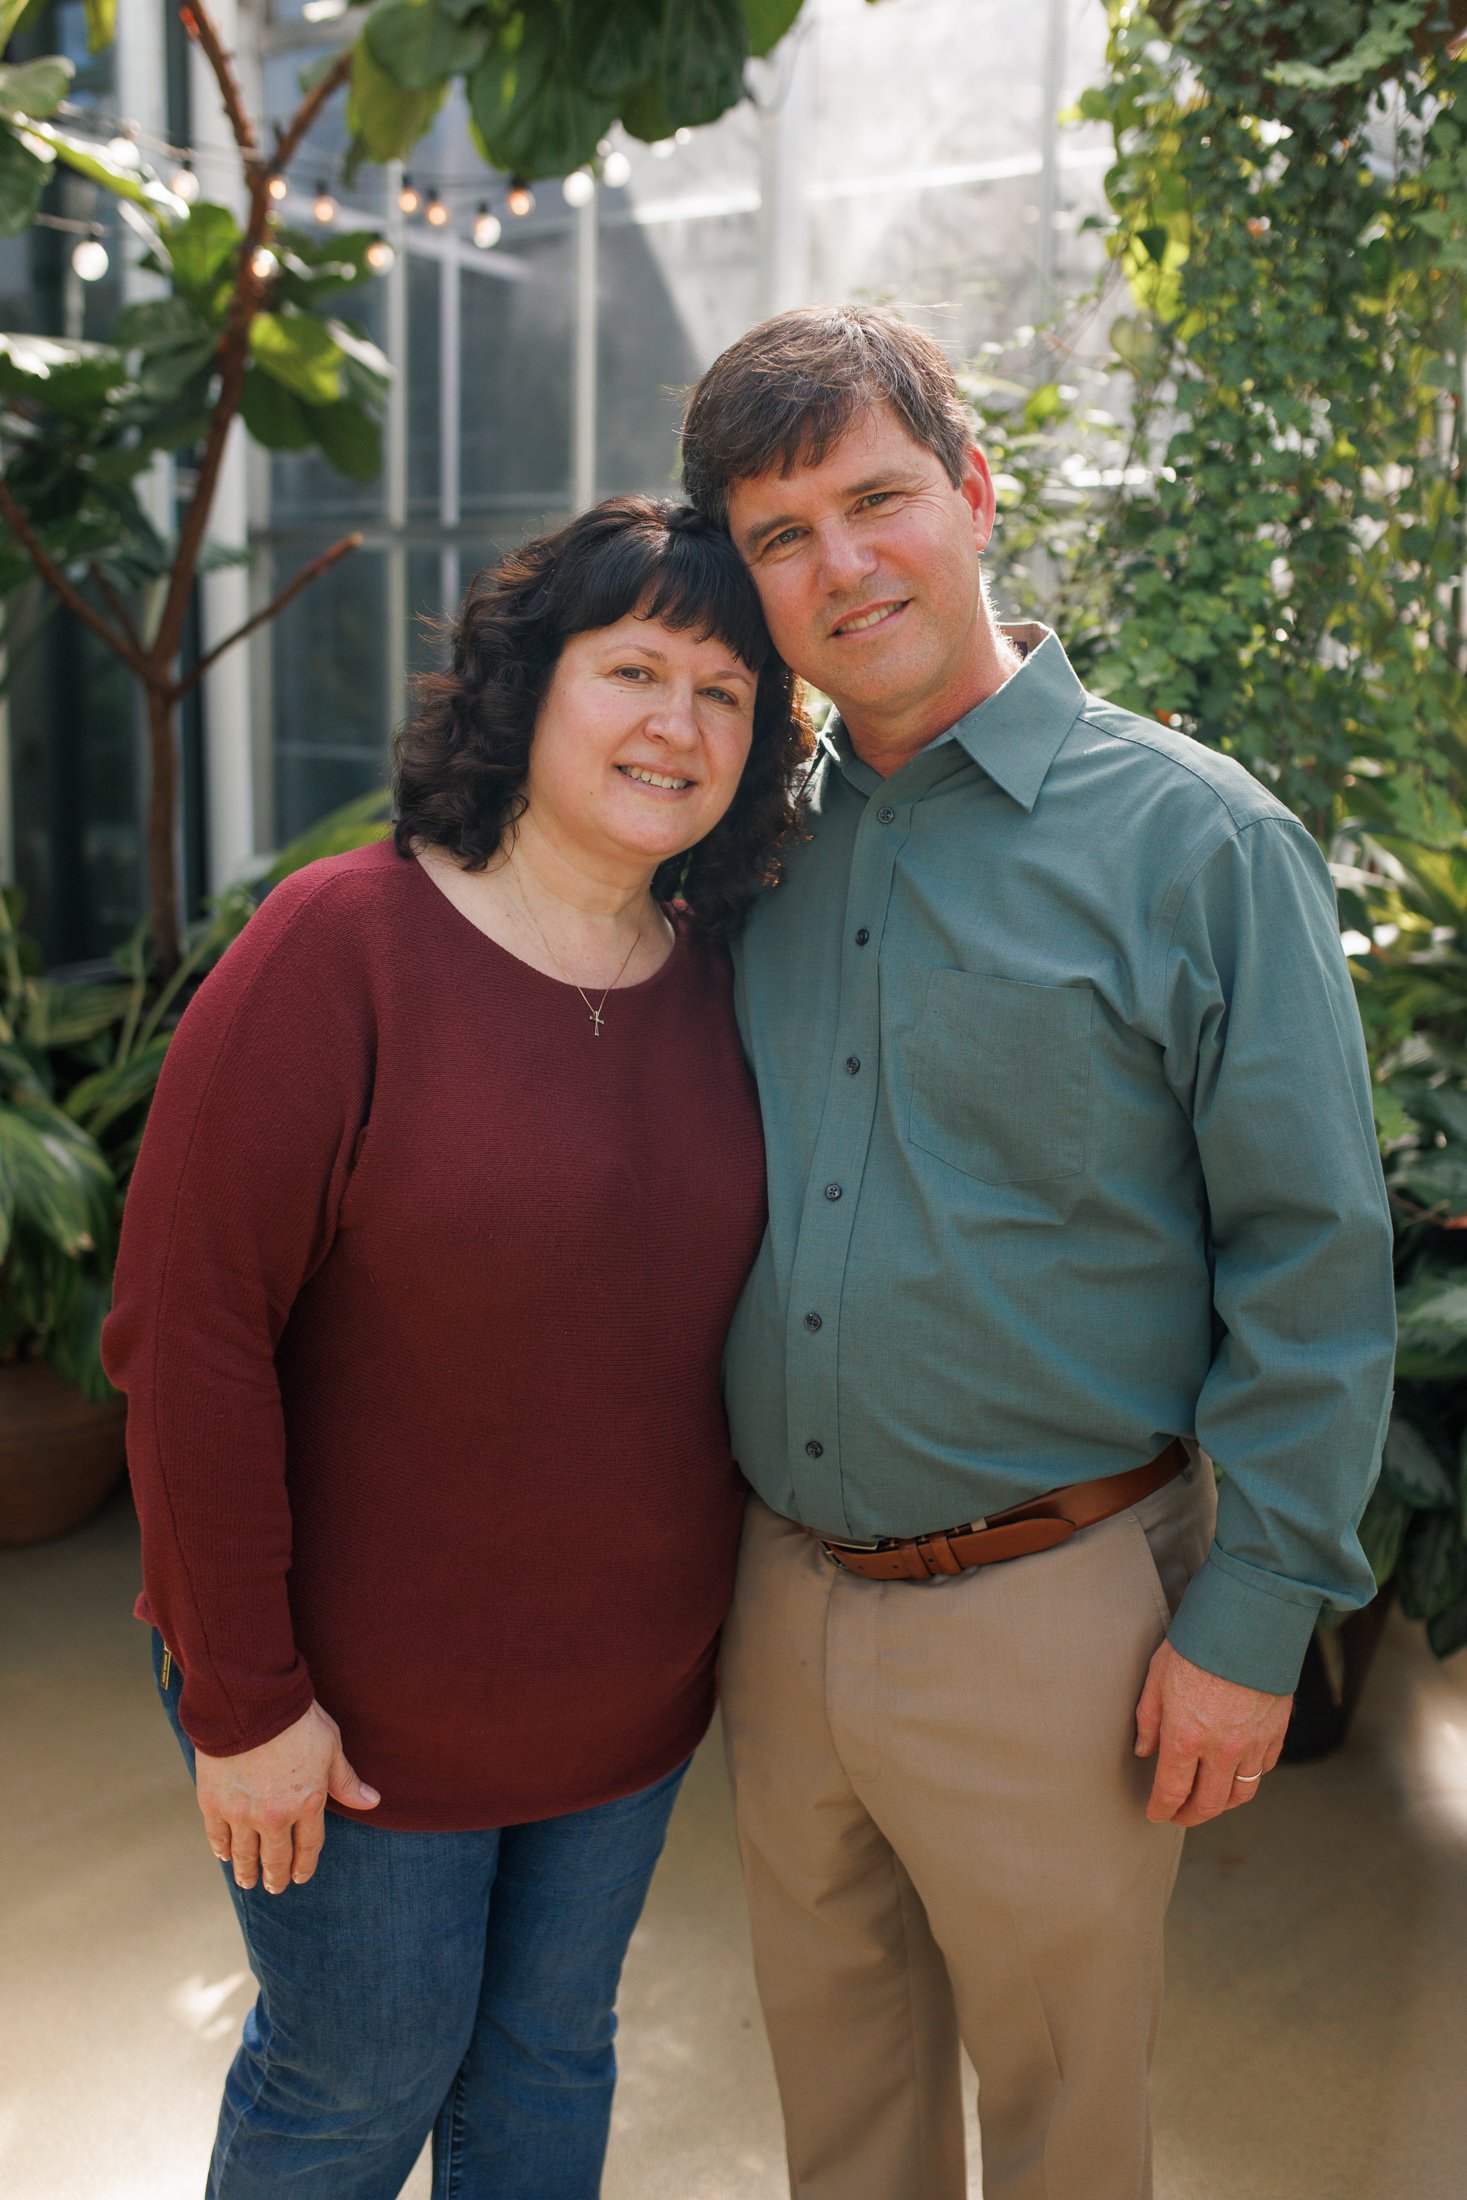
(593, 1008)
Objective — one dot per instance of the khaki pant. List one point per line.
(942, 1826)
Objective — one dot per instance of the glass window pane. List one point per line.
(329, 652)
(516, 404)
(424, 366)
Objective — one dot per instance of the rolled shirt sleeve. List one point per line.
(1264, 1050)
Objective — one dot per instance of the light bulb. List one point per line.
(435, 211)
(579, 187)
(325, 208)
(278, 188)
(616, 170)
(487, 229)
(183, 183)
(664, 149)
(681, 137)
(521, 200)
(264, 263)
(123, 151)
(380, 255)
(409, 198)
(89, 259)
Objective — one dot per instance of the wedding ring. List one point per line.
(1247, 1779)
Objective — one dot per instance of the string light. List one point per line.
(183, 183)
(278, 188)
(616, 170)
(487, 228)
(521, 200)
(579, 187)
(325, 208)
(264, 263)
(380, 255)
(664, 149)
(123, 151)
(681, 137)
(435, 211)
(409, 198)
(89, 259)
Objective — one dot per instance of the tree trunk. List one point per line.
(162, 829)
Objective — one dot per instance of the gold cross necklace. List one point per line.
(593, 1008)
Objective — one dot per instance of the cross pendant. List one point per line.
(595, 1023)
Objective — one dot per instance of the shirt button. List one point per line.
(885, 814)
(814, 1450)
(832, 1191)
(812, 1321)
(853, 1063)
(862, 936)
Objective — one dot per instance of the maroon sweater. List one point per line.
(419, 1313)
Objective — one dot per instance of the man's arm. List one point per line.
(1264, 1049)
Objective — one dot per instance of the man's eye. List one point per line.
(783, 539)
(878, 496)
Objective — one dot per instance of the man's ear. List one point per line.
(976, 489)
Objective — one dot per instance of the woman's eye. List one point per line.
(721, 695)
(633, 672)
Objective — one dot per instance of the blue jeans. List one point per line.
(462, 1984)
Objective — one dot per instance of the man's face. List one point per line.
(868, 569)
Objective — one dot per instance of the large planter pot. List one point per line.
(1329, 1688)
(60, 1455)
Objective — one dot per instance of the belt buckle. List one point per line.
(829, 1543)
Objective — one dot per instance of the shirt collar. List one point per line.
(1014, 736)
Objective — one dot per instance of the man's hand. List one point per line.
(265, 1810)
(1212, 1739)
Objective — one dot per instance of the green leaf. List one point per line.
(1384, 43)
(273, 415)
(355, 825)
(705, 44)
(615, 48)
(36, 88)
(66, 374)
(533, 116)
(372, 367)
(53, 1180)
(98, 166)
(1437, 1179)
(300, 352)
(349, 438)
(104, 1098)
(101, 23)
(1432, 1570)
(63, 1015)
(161, 324)
(419, 46)
(22, 180)
(386, 120)
(766, 21)
(74, 1345)
(202, 247)
(1391, 1120)
(11, 12)
(645, 113)
(1446, 1630)
(1412, 1471)
(1431, 1317)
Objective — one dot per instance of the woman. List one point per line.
(451, 1182)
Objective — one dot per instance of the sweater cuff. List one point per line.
(220, 1733)
(1246, 1625)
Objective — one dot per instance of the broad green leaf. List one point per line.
(314, 269)
(1391, 1120)
(766, 22)
(61, 1015)
(161, 324)
(387, 120)
(22, 180)
(101, 23)
(74, 1345)
(1412, 1470)
(102, 1099)
(300, 352)
(273, 415)
(420, 46)
(614, 48)
(372, 364)
(1432, 1569)
(98, 166)
(36, 88)
(67, 374)
(705, 44)
(645, 113)
(1437, 1179)
(202, 247)
(533, 116)
(348, 437)
(1431, 1317)
(11, 12)
(1385, 42)
(355, 825)
(55, 1182)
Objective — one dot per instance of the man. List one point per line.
(1070, 1157)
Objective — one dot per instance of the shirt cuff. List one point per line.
(1246, 1625)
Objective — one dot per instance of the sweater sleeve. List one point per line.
(263, 1096)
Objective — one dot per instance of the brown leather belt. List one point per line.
(1036, 1525)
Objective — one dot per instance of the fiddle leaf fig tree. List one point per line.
(253, 320)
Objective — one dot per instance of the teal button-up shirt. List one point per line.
(1070, 1151)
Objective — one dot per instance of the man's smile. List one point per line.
(860, 622)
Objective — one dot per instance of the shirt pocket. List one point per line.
(1001, 1078)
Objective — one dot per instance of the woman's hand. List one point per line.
(265, 1810)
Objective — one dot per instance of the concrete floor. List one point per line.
(1313, 2043)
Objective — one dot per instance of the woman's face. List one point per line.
(639, 741)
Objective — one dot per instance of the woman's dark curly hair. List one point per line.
(461, 763)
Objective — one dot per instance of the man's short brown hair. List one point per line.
(785, 393)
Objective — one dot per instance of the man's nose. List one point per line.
(846, 558)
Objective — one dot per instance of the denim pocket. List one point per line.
(1001, 1083)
